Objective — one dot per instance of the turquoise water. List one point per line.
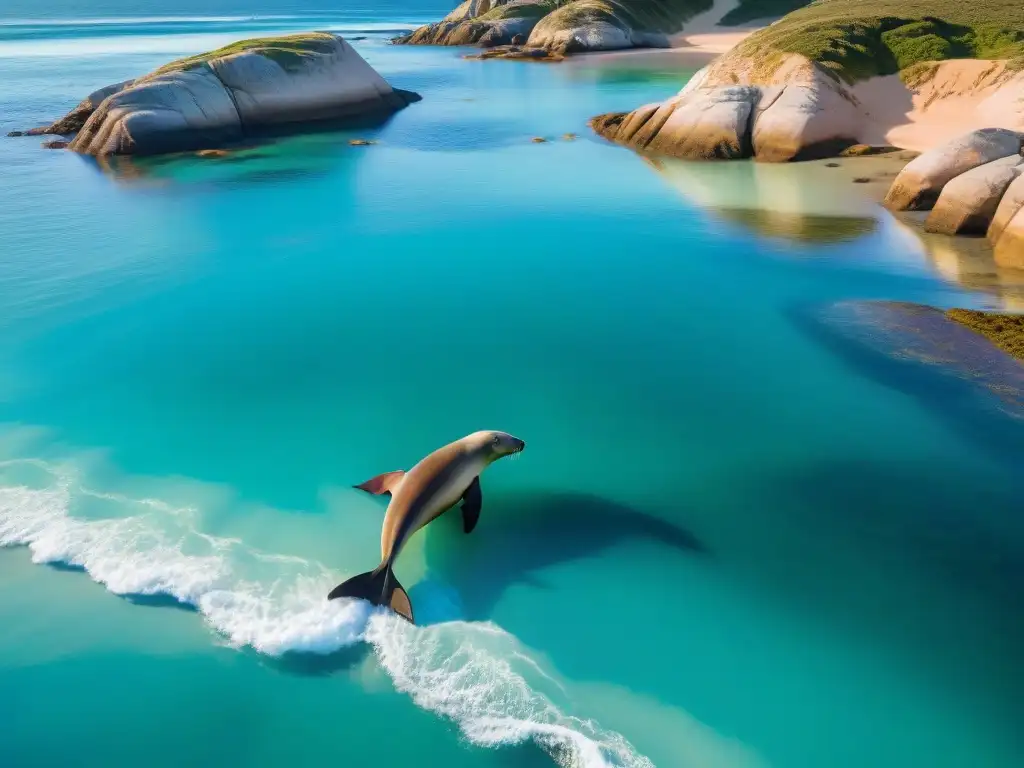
(731, 541)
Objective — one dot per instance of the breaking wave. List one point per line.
(472, 673)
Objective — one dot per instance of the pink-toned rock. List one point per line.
(1009, 248)
(805, 121)
(919, 184)
(1012, 201)
(731, 110)
(968, 203)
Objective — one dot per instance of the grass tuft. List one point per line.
(862, 39)
(287, 50)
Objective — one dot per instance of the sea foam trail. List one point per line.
(475, 674)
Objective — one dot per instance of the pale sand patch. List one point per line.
(713, 42)
(704, 33)
(957, 97)
(701, 39)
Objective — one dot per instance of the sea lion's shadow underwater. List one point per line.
(522, 533)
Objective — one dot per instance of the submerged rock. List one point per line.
(240, 90)
(907, 345)
(968, 203)
(919, 184)
(1004, 330)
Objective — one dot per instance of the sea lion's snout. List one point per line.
(498, 444)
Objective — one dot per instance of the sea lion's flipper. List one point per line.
(400, 603)
(472, 500)
(382, 484)
(379, 587)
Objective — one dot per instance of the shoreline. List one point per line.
(835, 200)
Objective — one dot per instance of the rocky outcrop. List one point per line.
(235, 92)
(919, 184)
(729, 110)
(1011, 204)
(976, 185)
(968, 203)
(1008, 243)
(561, 28)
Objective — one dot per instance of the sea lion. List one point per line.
(420, 495)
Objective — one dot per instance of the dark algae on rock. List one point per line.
(1004, 330)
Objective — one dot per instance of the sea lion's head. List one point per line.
(495, 445)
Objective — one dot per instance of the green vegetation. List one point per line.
(1005, 331)
(750, 10)
(860, 39)
(286, 50)
(519, 11)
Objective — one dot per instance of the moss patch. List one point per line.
(287, 50)
(519, 11)
(1003, 330)
(858, 40)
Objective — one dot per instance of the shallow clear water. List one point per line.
(730, 542)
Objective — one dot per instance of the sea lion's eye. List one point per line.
(496, 440)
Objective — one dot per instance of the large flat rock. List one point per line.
(231, 93)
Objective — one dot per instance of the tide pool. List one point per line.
(731, 541)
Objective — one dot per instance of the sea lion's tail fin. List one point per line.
(382, 484)
(379, 587)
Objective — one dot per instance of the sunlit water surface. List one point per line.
(731, 542)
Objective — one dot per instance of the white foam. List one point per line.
(475, 674)
(271, 603)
